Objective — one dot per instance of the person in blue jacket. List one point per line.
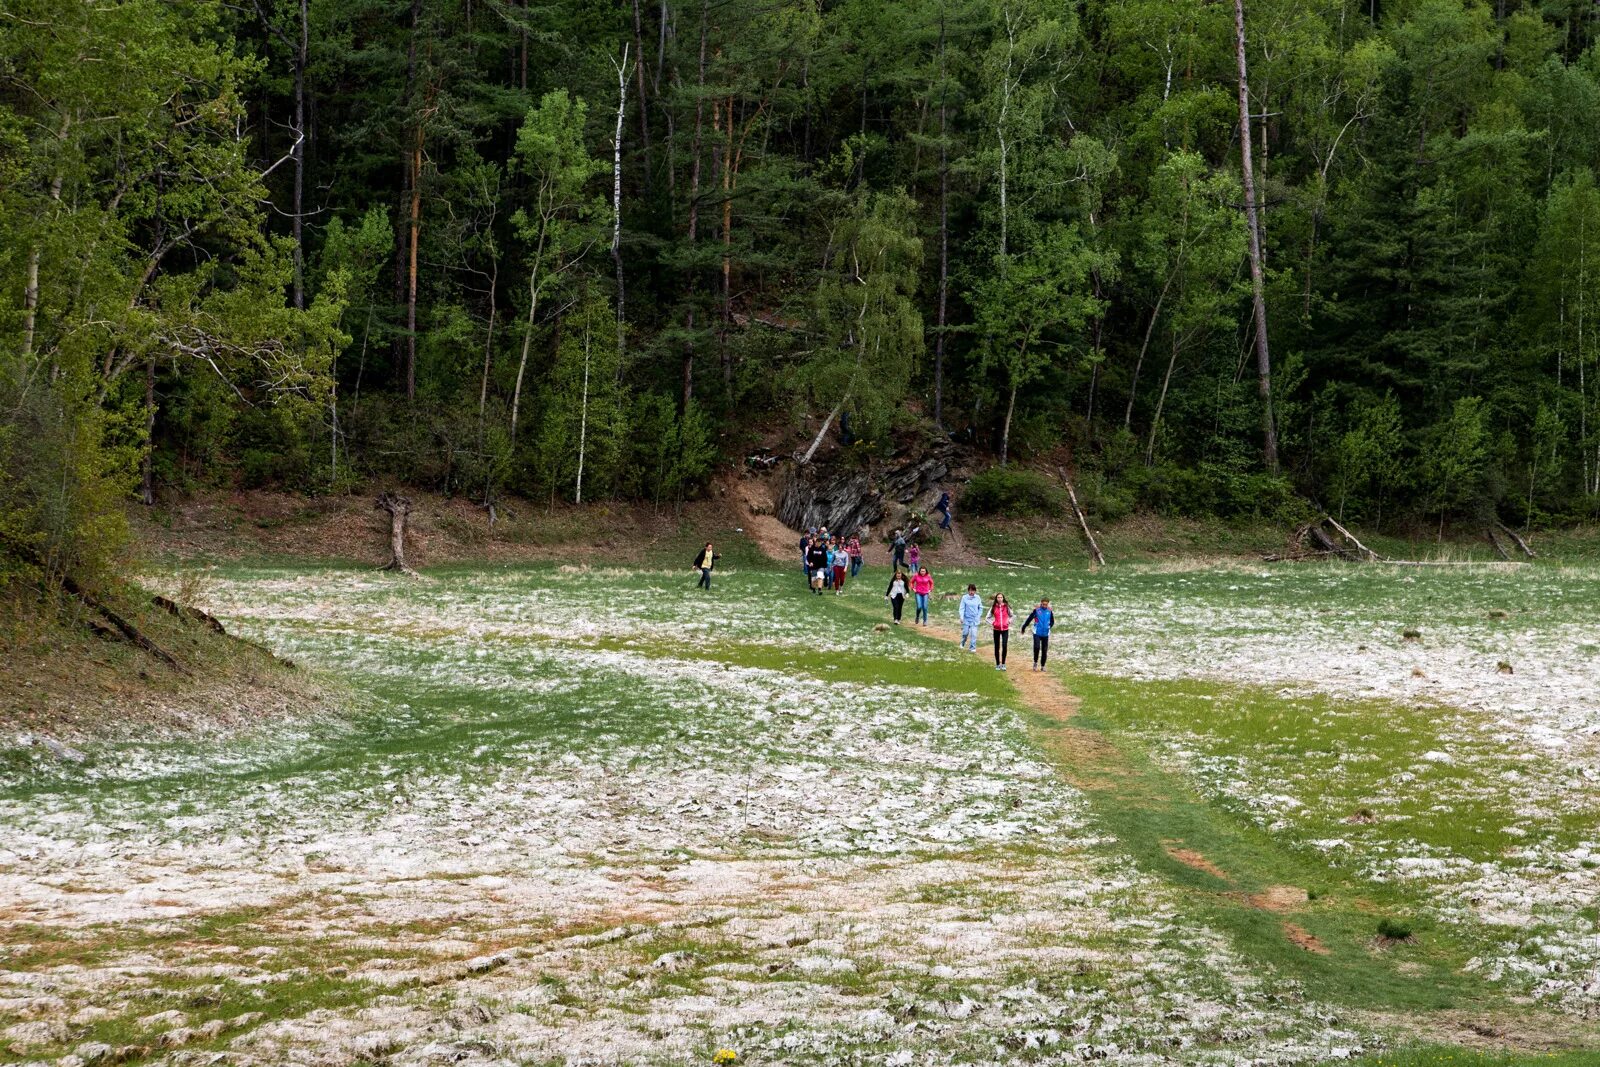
(971, 608)
(1041, 619)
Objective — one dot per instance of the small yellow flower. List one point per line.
(725, 1055)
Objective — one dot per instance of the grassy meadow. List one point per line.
(593, 815)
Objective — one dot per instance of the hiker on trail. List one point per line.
(1000, 619)
(805, 552)
(853, 549)
(1041, 619)
(816, 564)
(827, 570)
(922, 585)
(899, 546)
(914, 554)
(943, 508)
(706, 560)
(971, 610)
(841, 563)
(896, 595)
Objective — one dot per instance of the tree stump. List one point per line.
(399, 508)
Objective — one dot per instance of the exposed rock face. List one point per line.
(856, 500)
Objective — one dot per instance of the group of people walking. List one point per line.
(998, 617)
(828, 559)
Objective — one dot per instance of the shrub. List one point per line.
(1012, 493)
(1394, 930)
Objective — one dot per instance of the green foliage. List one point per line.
(811, 197)
(1012, 494)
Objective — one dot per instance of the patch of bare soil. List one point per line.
(1279, 898)
(1192, 859)
(1522, 1030)
(246, 524)
(1307, 940)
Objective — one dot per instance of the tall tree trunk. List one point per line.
(616, 191)
(1144, 346)
(302, 51)
(1269, 430)
(415, 231)
(1005, 429)
(147, 475)
(944, 231)
(694, 208)
(527, 332)
(727, 254)
(1161, 402)
(583, 412)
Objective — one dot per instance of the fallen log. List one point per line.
(1009, 563)
(128, 630)
(179, 611)
(1072, 495)
(1526, 549)
(1348, 536)
(1494, 542)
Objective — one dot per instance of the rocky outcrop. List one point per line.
(857, 499)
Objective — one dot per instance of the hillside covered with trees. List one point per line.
(577, 250)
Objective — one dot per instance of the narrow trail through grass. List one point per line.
(1309, 922)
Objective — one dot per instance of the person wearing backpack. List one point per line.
(922, 586)
(1041, 619)
(1000, 620)
(971, 611)
(705, 561)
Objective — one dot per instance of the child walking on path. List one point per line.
(914, 554)
(1041, 619)
(896, 595)
(705, 561)
(1000, 620)
(922, 585)
(971, 609)
(841, 563)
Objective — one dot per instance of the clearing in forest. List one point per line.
(594, 815)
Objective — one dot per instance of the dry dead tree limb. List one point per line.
(1009, 563)
(1072, 495)
(181, 611)
(128, 630)
(399, 509)
(1494, 542)
(1526, 550)
(1348, 536)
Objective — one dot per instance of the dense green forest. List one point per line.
(579, 249)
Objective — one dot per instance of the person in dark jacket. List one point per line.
(943, 508)
(705, 561)
(816, 564)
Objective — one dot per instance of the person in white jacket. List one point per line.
(971, 609)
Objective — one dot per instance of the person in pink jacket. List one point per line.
(1000, 619)
(922, 585)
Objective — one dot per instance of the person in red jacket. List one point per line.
(922, 585)
(1000, 619)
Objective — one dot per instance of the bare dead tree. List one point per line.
(399, 509)
(1253, 220)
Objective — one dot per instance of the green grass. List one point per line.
(446, 711)
(1452, 1056)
